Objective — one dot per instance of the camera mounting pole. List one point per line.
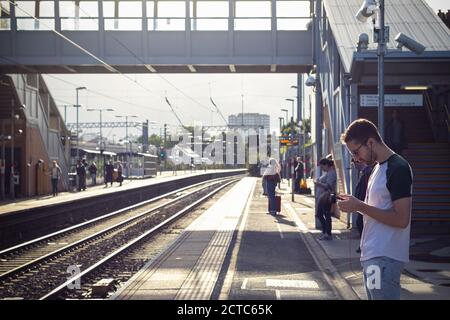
(381, 53)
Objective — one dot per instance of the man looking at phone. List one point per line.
(386, 210)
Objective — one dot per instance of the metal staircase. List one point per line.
(431, 189)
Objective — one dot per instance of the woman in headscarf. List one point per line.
(272, 177)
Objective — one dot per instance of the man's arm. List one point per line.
(398, 216)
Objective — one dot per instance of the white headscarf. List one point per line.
(273, 167)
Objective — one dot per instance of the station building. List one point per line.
(417, 87)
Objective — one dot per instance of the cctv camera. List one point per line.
(310, 81)
(367, 10)
(363, 42)
(411, 44)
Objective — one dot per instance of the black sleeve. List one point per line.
(399, 183)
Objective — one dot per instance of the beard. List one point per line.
(372, 157)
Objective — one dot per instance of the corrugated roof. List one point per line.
(411, 17)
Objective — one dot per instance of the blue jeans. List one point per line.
(271, 185)
(55, 187)
(324, 216)
(382, 278)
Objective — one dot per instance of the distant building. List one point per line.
(250, 120)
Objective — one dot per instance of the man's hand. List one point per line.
(349, 203)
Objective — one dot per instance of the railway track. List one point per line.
(34, 269)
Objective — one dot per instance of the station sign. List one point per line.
(392, 100)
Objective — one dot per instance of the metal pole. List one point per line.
(281, 136)
(101, 137)
(292, 159)
(165, 142)
(127, 142)
(77, 178)
(11, 176)
(293, 110)
(242, 106)
(3, 163)
(301, 117)
(65, 113)
(102, 158)
(381, 53)
(78, 137)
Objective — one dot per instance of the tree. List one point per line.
(155, 140)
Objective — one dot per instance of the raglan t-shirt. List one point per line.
(390, 180)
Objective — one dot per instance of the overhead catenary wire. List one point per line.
(106, 96)
(215, 105)
(106, 65)
(171, 107)
(159, 75)
(218, 110)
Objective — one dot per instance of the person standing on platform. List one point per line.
(81, 173)
(395, 133)
(299, 174)
(84, 162)
(325, 186)
(272, 177)
(386, 209)
(119, 173)
(364, 172)
(93, 172)
(263, 166)
(109, 170)
(55, 174)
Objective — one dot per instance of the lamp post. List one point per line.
(287, 115)
(367, 10)
(292, 143)
(126, 137)
(300, 119)
(145, 134)
(281, 125)
(101, 144)
(293, 107)
(77, 182)
(281, 134)
(78, 107)
(381, 52)
(287, 121)
(299, 89)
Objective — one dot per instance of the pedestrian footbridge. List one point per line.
(130, 36)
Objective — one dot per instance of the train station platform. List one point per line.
(237, 251)
(20, 204)
(189, 268)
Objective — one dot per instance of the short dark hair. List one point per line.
(326, 162)
(360, 131)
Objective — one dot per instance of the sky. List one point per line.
(143, 95)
